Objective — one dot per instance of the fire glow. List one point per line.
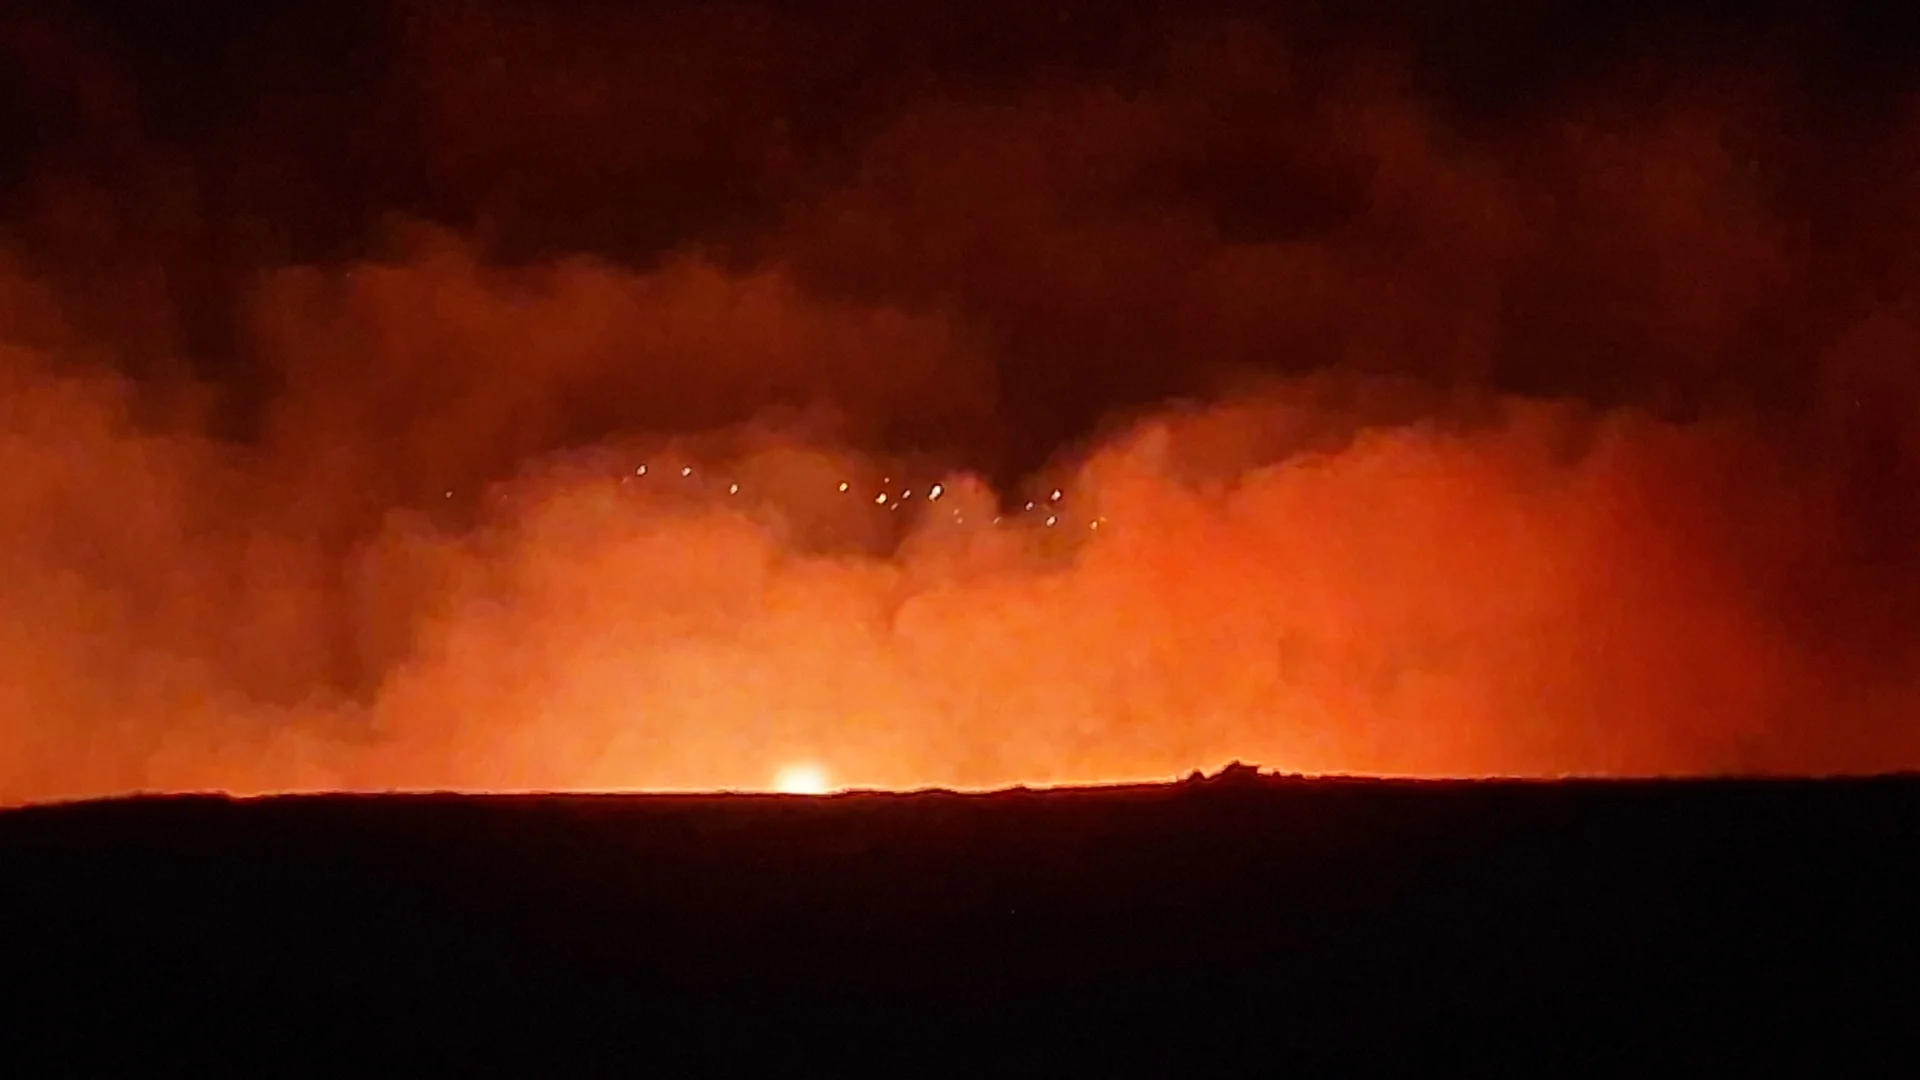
(1266, 484)
(1402, 606)
(802, 778)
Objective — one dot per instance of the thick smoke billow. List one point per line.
(1076, 422)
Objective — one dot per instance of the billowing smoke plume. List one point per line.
(793, 396)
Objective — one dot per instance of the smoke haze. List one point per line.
(461, 395)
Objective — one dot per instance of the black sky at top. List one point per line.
(233, 135)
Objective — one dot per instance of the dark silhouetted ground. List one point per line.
(1272, 923)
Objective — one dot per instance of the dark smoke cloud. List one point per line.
(475, 413)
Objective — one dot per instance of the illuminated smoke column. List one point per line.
(1516, 464)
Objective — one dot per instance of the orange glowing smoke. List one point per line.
(1418, 602)
(583, 524)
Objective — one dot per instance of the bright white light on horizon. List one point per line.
(801, 779)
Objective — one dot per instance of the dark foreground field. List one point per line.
(1267, 921)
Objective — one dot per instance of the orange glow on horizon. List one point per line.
(802, 779)
(1019, 430)
(606, 638)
